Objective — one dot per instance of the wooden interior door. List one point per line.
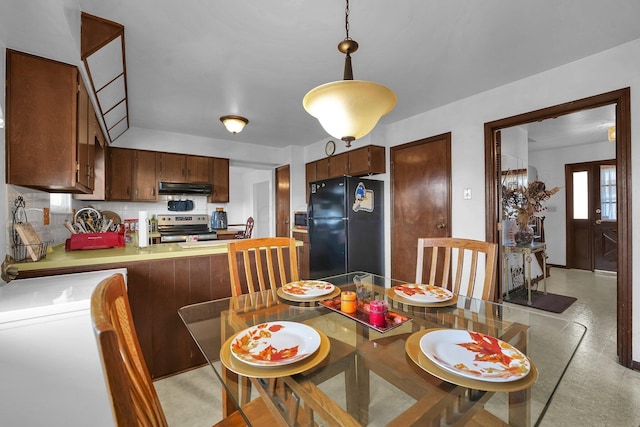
(283, 201)
(591, 216)
(420, 199)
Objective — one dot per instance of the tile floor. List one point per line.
(594, 392)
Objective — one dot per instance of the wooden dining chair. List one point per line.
(277, 256)
(248, 229)
(455, 263)
(134, 401)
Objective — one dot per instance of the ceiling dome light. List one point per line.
(234, 124)
(349, 109)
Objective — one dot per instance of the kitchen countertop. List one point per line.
(60, 258)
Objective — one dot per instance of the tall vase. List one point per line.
(524, 235)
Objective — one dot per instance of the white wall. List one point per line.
(609, 70)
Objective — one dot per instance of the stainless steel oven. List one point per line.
(176, 228)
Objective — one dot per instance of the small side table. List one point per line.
(527, 252)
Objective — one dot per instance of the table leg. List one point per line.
(544, 270)
(505, 273)
(529, 279)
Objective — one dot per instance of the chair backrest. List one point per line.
(258, 254)
(445, 252)
(248, 228)
(134, 400)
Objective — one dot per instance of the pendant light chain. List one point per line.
(346, 21)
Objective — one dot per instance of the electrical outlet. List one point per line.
(466, 194)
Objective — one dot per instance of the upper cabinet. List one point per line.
(198, 169)
(132, 175)
(172, 167)
(362, 161)
(219, 178)
(47, 138)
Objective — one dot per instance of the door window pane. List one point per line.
(608, 192)
(580, 195)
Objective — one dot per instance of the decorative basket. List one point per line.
(30, 253)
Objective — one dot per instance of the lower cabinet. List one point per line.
(303, 254)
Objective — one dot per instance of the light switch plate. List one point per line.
(466, 194)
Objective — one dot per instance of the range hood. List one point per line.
(183, 188)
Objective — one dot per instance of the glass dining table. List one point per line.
(452, 360)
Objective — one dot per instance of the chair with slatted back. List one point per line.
(248, 230)
(451, 263)
(134, 401)
(455, 263)
(279, 256)
(267, 264)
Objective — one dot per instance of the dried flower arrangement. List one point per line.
(522, 203)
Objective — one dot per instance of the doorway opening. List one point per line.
(621, 100)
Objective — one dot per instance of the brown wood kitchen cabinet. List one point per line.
(368, 160)
(131, 175)
(48, 115)
(197, 169)
(172, 167)
(339, 165)
(219, 179)
(303, 254)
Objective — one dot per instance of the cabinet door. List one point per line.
(339, 165)
(145, 182)
(219, 178)
(41, 130)
(172, 167)
(322, 169)
(197, 169)
(367, 160)
(83, 171)
(120, 174)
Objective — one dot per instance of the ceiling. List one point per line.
(191, 61)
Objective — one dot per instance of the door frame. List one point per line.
(622, 100)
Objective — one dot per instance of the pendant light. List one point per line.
(349, 109)
(234, 124)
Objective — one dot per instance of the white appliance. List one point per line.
(50, 367)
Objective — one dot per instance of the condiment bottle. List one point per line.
(378, 313)
(348, 302)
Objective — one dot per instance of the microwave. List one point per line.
(300, 219)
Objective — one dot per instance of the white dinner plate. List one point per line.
(308, 288)
(275, 343)
(423, 293)
(475, 355)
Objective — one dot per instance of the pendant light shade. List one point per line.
(349, 109)
(234, 124)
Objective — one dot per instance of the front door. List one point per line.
(283, 203)
(591, 216)
(420, 199)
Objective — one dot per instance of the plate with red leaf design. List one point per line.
(475, 355)
(275, 343)
(423, 293)
(308, 288)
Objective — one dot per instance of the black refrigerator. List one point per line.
(346, 226)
